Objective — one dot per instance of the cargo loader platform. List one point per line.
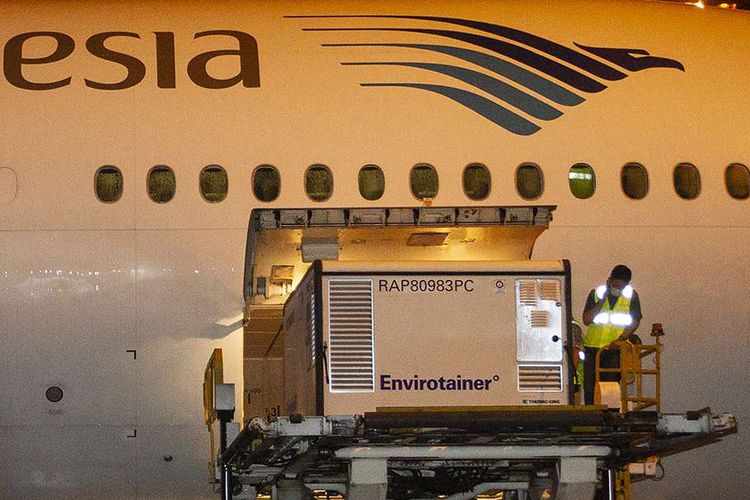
(419, 352)
(525, 453)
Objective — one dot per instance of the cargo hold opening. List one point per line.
(282, 244)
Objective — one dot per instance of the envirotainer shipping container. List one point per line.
(366, 335)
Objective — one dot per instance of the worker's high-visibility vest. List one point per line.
(610, 322)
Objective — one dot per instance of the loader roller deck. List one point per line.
(517, 448)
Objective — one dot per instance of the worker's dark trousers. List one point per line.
(610, 358)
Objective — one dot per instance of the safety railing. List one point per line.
(638, 362)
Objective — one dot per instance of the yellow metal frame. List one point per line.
(214, 374)
(631, 371)
(622, 484)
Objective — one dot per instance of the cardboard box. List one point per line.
(262, 333)
(263, 364)
(264, 387)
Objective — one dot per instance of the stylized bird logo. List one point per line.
(536, 67)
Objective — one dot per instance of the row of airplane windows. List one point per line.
(266, 182)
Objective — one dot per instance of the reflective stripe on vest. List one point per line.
(610, 322)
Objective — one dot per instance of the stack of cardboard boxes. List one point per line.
(263, 361)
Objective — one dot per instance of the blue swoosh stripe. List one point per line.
(552, 68)
(513, 72)
(501, 90)
(554, 49)
(481, 105)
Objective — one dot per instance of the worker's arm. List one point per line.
(590, 313)
(636, 314)
(625, 334)
(630, 330)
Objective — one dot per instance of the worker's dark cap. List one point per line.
(621, 272)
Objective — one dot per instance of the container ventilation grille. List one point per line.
(527, 292)
(313, 330)
(550, 290)
(539, 319)
(540, 378)
(351, 348)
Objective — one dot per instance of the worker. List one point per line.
(612, 314)
(577, 359)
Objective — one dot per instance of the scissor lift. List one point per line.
(561, 452)
(524, 453)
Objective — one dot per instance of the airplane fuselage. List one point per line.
(120, 304)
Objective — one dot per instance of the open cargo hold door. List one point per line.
(282, 243)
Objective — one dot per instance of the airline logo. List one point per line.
(488, 57)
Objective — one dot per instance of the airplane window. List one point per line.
(371, 182)
(266, 183)
(529, 181)
(687, 181)
(634, 180)
(108, 184)
(582, 181)
(738, 181)
(161, 184)
(424, 181)
(214, 183)
(319, 183)
(477, 181)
